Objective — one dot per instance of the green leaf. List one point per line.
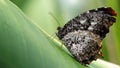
(23, 44)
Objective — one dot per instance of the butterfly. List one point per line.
(83, 34)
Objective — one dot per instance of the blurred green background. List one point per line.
(64, 10)
(44, 12)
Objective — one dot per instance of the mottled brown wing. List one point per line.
(83, 34)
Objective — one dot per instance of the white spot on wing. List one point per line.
(82, 21)
(96, 9)
(93, 23)
(90, 28)
(88, 12)
(105, 7)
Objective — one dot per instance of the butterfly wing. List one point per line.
(83, 34)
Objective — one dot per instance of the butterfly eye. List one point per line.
(59, 28)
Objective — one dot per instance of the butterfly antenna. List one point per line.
(55, 18)
(53, 35)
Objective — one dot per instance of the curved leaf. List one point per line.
(23, 44)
